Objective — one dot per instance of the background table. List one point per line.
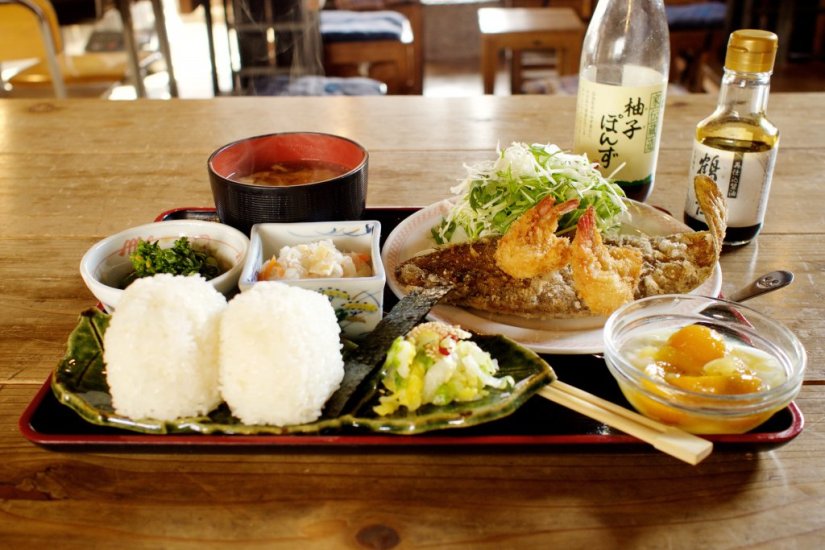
(118, 164)
(518, 29)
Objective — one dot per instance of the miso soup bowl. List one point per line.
(107, 263)
(243, 204)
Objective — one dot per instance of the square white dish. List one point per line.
(358, 301)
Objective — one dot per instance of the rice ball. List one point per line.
(280, 354)
(161, 348)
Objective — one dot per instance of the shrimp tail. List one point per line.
(530, 248)
(605, 276)
(544, 206)
(586, 229)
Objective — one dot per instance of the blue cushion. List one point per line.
(310, 85)
(695, 16)
(358, 26)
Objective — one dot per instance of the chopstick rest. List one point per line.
(673, 441)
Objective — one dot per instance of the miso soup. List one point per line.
(296, 172)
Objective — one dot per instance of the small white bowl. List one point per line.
(358, 301)
(107, 262)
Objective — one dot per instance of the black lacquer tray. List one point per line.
(536, 423)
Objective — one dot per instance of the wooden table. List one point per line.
(118, 164)
(517, 29)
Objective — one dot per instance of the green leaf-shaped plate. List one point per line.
(80, 383)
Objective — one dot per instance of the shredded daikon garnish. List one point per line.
(496, 193)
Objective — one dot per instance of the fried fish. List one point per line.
(675, 263)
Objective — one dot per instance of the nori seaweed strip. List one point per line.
(369, 354)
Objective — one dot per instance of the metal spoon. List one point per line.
(766, 283)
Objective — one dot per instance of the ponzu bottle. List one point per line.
(622, 87)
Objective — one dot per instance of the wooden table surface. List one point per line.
(72, 172)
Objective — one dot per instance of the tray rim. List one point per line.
(135, 439)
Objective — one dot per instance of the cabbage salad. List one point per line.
(436, 363)
(494, 194)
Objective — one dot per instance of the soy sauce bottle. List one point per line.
(622, 87)
(736, 145)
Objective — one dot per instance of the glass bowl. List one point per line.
(636, 329)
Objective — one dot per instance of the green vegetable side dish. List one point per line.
(181, 259)
(495, 194)
(437, 364)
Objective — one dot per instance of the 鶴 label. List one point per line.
(744, 178)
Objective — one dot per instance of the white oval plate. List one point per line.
(560, 336)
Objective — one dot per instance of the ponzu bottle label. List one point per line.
(620, 124)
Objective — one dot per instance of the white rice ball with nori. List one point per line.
(161, 348)
(280, 354)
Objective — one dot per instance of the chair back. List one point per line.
(29, 29)
(21, 30)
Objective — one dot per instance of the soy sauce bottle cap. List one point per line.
(751, 51)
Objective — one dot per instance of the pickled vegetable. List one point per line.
(438, 364)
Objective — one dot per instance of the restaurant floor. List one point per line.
(455, 78)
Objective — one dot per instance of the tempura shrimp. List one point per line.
(605, 276)
(531, 247)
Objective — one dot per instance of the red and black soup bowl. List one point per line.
(288, 177)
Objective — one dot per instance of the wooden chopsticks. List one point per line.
(673, 441)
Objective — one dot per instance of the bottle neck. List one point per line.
(744, 92)
(626, 33)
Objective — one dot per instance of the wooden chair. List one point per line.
(697, 30)
(276, 50)
(819, 33)
(271, 40)
(29, 30)
(379, 44)
(414, 12)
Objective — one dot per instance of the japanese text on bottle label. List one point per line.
(743, 178)
(619, 124)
